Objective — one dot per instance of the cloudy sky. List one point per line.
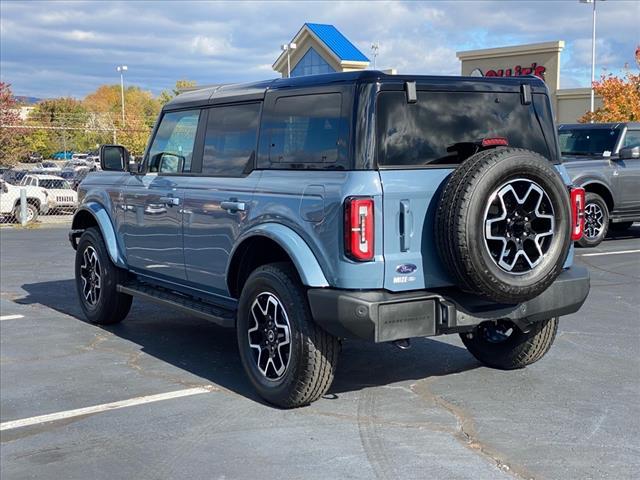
(69, 48)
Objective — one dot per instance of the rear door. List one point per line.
(627, 176)
(153, 203)
(217, 199)
(418, 148)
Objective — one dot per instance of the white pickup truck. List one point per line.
(37, 202)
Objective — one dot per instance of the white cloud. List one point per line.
(80, 35)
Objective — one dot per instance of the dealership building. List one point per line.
(319, 48)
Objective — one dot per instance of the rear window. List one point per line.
(441, 127)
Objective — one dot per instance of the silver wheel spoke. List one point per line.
(269, 335)
(91, 276)
(518, 225)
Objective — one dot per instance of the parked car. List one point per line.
(62, 156)
(604, 159)
(14, 175)
(355, 205)
(77, 165)
(37, 202)
(33, 158)
(79, 156)
(62, 197)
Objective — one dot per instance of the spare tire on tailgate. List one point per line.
(502, 225)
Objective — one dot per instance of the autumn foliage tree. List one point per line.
(9, 118)
(620, 97)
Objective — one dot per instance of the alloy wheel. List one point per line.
(519, 225)
(593, 220)
(91, 276)
(269, 336)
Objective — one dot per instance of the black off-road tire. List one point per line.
(518, 350)
(594, 241)
(313, 353)
(459, 224)
(111, 306)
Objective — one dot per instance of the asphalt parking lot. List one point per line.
(428, 412)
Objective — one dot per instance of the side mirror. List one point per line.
(113, 158)
(170, 163)
(5, 189)
(629, 152)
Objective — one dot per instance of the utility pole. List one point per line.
(374, 48)
(287, 47)
(122, 69)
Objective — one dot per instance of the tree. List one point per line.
(620, 97)
(166, 96)
(141, 111)
(9, 117)
(64, 121)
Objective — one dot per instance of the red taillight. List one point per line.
(495, 142)
(358, 228)
(577, 213)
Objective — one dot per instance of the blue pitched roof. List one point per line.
(338, 43)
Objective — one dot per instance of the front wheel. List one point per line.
(501, 344)
(288, 358)
(97, 279)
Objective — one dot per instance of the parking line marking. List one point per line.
(10, 317)
(608, 253)
(52, 417)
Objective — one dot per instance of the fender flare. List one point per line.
(102, 218)
(303, 258)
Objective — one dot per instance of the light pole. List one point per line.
(287, 47)
(374, 48)
(122, 69)
(593, 50)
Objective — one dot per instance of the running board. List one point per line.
(219, 316)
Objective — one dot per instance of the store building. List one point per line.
(321, 48)
(540, 59)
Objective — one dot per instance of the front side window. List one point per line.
(55, 184)
(632, 139)
(172, 147)
(230, 140)
(588, 141)
(306, 129)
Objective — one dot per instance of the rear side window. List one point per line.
(305, 129)
(441, 127)
(172, 147)
(230, 140)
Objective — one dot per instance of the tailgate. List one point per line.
(410, 200)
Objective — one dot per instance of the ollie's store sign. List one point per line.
(517, 71)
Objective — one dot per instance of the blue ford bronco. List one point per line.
(306, 211)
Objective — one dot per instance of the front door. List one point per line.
(627, 177)
(152, 226)
(218, 201)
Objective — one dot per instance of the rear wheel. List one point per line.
(32, 213)
(288, 358)
(501, 344)
(97, 279)
(596, 221)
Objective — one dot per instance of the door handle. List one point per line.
(170, 200)
(405, 226)
(233, 206)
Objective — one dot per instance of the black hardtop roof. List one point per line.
(238, 92)
(604, 125)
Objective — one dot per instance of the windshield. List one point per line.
(588, 141)
(55, 183)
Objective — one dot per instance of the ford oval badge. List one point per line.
(406, 268)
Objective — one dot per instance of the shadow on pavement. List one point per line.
(628, 234)
(210, 352)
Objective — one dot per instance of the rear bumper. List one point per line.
(382, 316)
